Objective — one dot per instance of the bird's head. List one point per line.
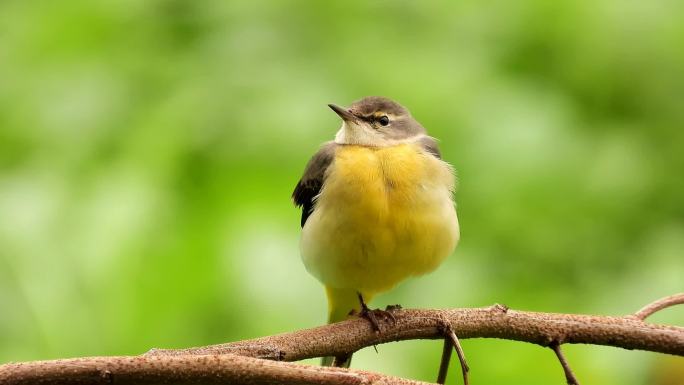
(376, 121)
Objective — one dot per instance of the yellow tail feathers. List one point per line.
(341, 302)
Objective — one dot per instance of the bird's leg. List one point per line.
(342, 361)
(372, 315)
(368, 314)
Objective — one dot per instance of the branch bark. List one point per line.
(181, 370)
(495, 321)
(570, 378)
(255, 361)
(655, 306)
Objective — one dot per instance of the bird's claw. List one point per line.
(374, 316)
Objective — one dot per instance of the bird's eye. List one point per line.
(384, 120)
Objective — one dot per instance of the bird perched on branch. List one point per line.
(377, 207)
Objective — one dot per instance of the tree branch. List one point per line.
(444, 362)
(489, 322)
(244, 362)
(653, 307)
(181, 370)
(569, 375)
(461, 356)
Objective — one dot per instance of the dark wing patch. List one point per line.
(429, 144)
(312, 181)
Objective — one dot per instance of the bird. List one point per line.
(377, 207)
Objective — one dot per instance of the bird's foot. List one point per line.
(374, 316)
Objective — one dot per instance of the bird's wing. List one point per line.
(429, 144)
(310, 184)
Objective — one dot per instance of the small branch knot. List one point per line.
(550, 341)
(499, 308)
(107, 376)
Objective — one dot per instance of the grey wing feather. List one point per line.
(430, 145)
(310, 184)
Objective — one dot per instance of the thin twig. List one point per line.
(646, 311)
(569, 376)
(444, 363)
(461, 356)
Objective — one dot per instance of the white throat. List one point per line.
(359, 134)
(362, 135)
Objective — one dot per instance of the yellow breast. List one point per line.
(383, 215)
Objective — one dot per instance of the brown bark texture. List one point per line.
(260, 360)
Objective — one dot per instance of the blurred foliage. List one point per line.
(148, 151)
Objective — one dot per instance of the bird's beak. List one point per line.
(346, 115)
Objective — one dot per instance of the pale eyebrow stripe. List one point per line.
(380, 114)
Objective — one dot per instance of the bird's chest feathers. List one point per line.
(385, 183)
(383, 214)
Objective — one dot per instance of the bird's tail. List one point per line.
(341, 302)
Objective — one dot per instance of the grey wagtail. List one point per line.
(377, 207)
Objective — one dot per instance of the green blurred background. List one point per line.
(148, 150)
